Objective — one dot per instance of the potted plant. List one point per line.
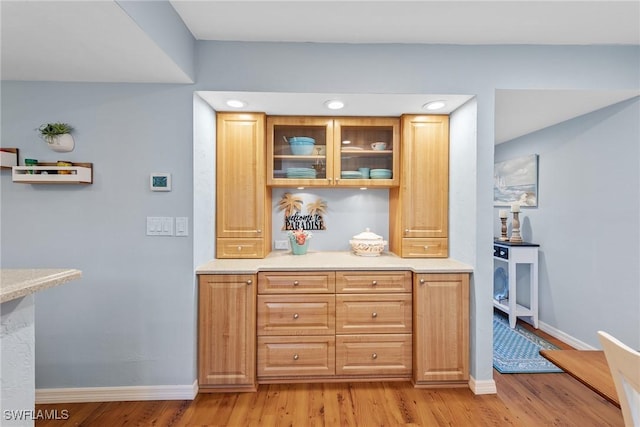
(57, 136)
(299, 240)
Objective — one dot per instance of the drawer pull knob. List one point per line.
(374, 282)
(426, 247)
(296, 283)
(296, 357)
(406, 231)
(249, 282)
(259, 231)
(295, 316)
(239, 248)
(374, 356)
(374, 314)
(422, 281)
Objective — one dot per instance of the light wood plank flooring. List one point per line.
(522, 400)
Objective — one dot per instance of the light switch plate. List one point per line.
(182, 226)
(159, 226)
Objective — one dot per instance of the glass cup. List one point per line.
(364, 172)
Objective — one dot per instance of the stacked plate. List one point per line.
(350, 174)
(380, 173)
(301, 173)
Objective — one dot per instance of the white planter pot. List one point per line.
(61, 143)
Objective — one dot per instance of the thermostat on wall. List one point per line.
(160, 182)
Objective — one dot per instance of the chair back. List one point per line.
(624, 363)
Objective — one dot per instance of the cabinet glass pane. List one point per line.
(366, 152)
(299, 161)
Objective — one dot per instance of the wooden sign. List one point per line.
(294, 219)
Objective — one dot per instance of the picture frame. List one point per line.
(516, 181)
(160, 182)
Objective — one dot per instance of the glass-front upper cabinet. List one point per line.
(329, 151)
(299, 151)
(366, 152)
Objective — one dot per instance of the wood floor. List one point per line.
(522, 400)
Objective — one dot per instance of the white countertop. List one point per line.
(285, 261)
(16, 283)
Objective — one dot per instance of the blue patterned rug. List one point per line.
(516, 351)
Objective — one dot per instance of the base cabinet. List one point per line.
(441, 337)
(285, 326)
(227, 332)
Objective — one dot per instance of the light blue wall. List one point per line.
(587, 222)
(130, 320)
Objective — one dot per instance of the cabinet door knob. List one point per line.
(296, 283)
(374, 356)
(406, 231)
(259, 231)
(422, 281)
(374, 282)
(249, 282)
(296, 357)
(295, 316)
(374, 314)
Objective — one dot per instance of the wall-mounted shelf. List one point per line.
(8, 157)
(50, 173)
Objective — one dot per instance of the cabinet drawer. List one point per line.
(296, 356)
(240, 248)
(373, 281)
(373, 314)
(425, 248)
(296, 314)
(373, 354)
(298, 282)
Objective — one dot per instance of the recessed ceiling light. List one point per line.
(334, 104)
(434, 105)
(236, 103)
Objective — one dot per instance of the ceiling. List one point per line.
(98, 41)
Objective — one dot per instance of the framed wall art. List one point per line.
(516, 181)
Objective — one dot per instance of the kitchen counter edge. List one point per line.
(17, 283)
(285, 261)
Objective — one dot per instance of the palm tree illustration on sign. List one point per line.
(290, 204)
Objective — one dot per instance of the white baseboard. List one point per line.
(567, 339)
(114, 394)
(482, 387)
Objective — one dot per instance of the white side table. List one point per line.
(513, 254)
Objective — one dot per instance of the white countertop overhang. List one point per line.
(285, 261)
(16, 283)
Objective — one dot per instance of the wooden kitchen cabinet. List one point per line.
(334, 161)
(419, 207)
(441, 328)
(243, 206)
(227, 332)
(374, 324)
(295, 325)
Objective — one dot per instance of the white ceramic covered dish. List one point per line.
(367, 244)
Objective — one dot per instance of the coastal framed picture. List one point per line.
(516, 181)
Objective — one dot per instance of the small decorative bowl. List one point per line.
(367, 244)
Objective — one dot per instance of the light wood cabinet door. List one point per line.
(243, 206)
(441, 328)
(331, 161)
(227, 332)
(361, 133)
(419, 208)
